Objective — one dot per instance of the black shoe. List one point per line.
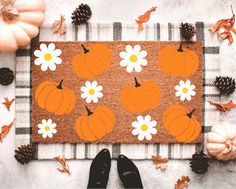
(99, 170)
(128, 172)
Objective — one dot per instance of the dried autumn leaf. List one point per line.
(227, 25)
(5, 130)
(144, 18)
(160, 162)
(182, 182)
(223, 107)
(59, 26)
(8, 103)
(65, 166)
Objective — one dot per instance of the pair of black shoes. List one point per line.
(100, 169)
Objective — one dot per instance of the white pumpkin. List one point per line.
(19, 22)
(221, 141)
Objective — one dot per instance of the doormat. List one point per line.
(117, 92)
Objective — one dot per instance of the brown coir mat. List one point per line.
(164, 105)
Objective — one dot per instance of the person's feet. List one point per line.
(128, 173)
(99, 170)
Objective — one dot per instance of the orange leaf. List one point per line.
(8, 103)
(5, 130)
(227, 25)
(65, 167)
(182, 182)
(223, 107)
(59, 26)
(144, 18)
(160, 162)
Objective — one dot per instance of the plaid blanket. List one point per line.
(110, 32)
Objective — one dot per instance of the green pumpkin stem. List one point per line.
(180, 49)
(137, 84)
(60, 84)
(88, 111)
(191, 113)
(84, 48)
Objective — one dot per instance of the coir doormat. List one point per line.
(117, 92)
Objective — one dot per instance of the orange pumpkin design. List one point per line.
(179, 62)
(141, 96)
(181, 123)
(95, 125)
(55, 98)
(92, 62)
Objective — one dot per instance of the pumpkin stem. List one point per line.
(180, 49)
(88, 111)
(137, 84)
(84, 48)
(191, 113)
(60, 84)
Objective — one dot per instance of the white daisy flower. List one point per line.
(144, 127)
(47, 57)
(91, 91)
(185, 90)
(133, 58)
(47, 128)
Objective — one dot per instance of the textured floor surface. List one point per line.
(43, 174)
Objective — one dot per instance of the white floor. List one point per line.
(43, 174)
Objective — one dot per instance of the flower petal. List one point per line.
(129, 49)
(141, 136)
(137, 68)
(52, 67)
(57, 60)
(124, 55)
(38, 61)
(135, 124)
(50, 135)
(57, 52)
(83, 89)
(88, 84)
(153, 131)
(124, 63)
(178, 93)
(99, 95)
(135, 131)
(188, 97)
(99, 88)
(43, 47)
(51, 47)
(40, 131)
(38, 53)
(44, 135)
(182, 97)
(94, 84)
(148, 136)
(84, 95)
(143, 62)
(192, 93)
(136, 49)
(95, 99)
(147, 118)
(44, 66)
(129, 68)
(153, 123)
(140, 119)
(143, 54)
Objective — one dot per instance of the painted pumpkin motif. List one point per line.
(221, 142)
(141, 96)
(95, 125)
(19, 22)
(179, 62)
(92, 62)
(55, 98)
(181, 123)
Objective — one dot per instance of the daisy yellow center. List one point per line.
(91, 91)
(47, 56)
(47, 128)
(144, 127)
(133, 58)
(185, 90)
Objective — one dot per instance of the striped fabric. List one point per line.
(114, 32)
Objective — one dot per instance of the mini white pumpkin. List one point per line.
(19, 22)
(221, 141)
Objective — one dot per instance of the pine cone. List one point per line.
(81, 15)
(199, 162)
(226, 85)
(6, 76)
(25, 153)
(187, 31)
